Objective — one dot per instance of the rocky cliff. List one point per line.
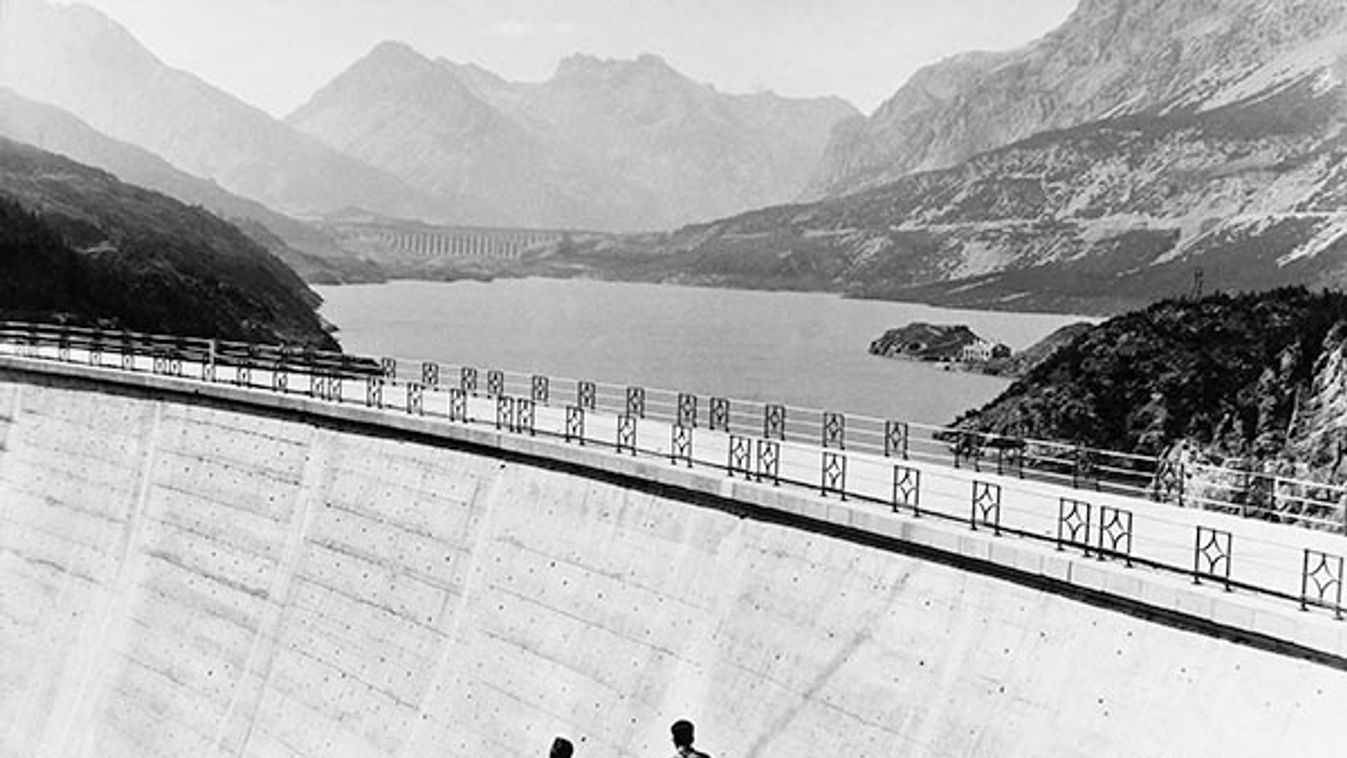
(1096, 218)
(1111, 58)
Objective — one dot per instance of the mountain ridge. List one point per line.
(317, 255)
(79, 59)
(1109, 58)
(602, 143)
(1095, 218)
(141, 258)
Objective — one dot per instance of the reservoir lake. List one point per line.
(802, 349)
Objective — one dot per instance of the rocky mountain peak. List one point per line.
(603, 144)
(1108, 58)
(78, 59)
(390, 69)
(395, 54)
(64, 30)
(582, 68)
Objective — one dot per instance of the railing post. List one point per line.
(374, 392)
(1073, 524)
(1212, 548)
(280, 378)
(626, 433)
(907, 488)
(541, 389)
(505, 418)
(680, 444)
(986, 506)
(720, 416)
(687, 409)
(586, 395)
(430, 374)
(834, 426)
(575, 424)
(525, 420)
(769, 461)
(1326, 576)
(739, 458)
(774, 422)
(1115, 526)
(636, 402)
(458, 404)
(96, 349)
(895, 439)
(834, 474)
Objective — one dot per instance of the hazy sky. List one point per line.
(275, 53)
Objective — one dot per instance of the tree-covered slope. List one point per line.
(1227, 373)
(80, 242)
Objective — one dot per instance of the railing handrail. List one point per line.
(1079, 464)
(1302, 566)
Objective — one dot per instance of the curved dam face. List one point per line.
(188, 577)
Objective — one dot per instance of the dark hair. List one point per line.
(561, 748)
(682, 733)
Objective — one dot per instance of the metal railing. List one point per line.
(1245, 493)
(1065, 495)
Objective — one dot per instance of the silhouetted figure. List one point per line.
(682, 740)
(561, 748)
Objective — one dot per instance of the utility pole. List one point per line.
(1196, 293)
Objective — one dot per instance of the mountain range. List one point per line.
(1144, 148)
(76, 58)
(607, 145)
(317, 256)
(1110, 59)
(602, 144)
(1199, 170)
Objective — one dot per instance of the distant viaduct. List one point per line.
(417, 241)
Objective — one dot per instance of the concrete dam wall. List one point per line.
(185, 576)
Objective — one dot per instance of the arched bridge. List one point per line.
(210, 549)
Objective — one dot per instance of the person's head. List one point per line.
(561, 748)
(682, 733)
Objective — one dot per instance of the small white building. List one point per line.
(983, 350)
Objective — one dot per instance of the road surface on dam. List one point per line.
(208, 570)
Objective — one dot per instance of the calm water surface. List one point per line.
(802, 349)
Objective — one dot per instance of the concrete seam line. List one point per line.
(693, 488)
(70, 710)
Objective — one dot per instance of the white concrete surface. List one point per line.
(179, 578)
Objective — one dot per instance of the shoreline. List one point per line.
(702, 286)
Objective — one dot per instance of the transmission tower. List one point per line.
(1196, 293)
